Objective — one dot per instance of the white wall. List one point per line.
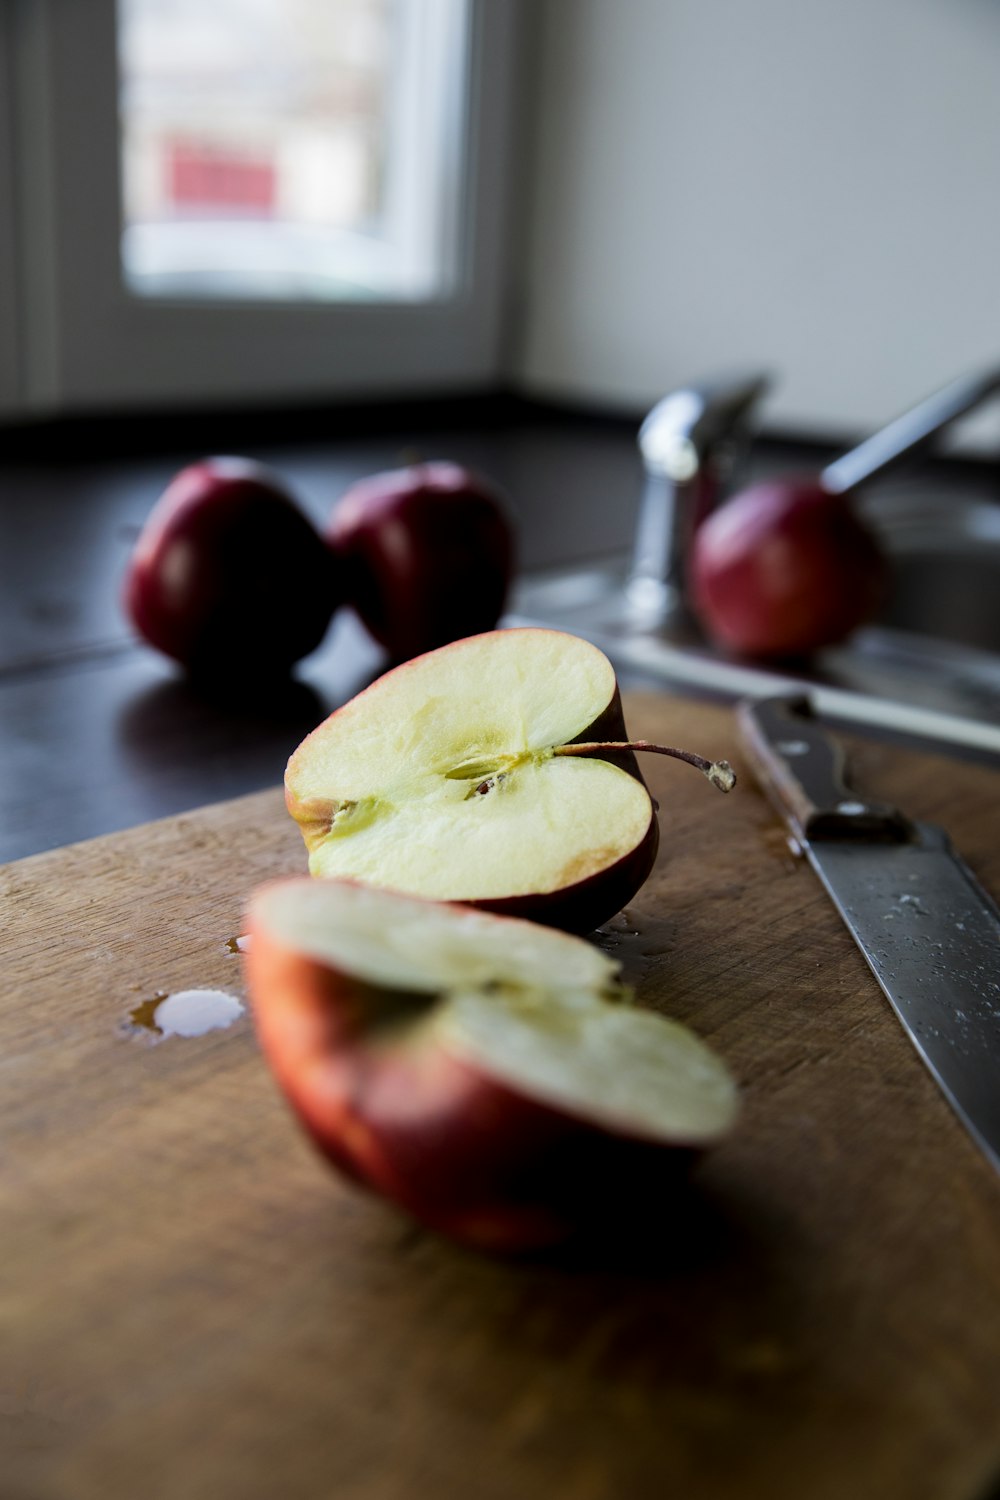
(812, 186)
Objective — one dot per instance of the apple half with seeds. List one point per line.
(491, 1076)
(494, 771)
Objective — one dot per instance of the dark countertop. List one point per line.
(97, 731)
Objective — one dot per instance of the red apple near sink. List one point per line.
(427, 554)
(228, 576)
(494, 771)
(784, 568)
(490, 1076)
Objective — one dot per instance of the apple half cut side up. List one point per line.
(495, 771)
(490, 1076)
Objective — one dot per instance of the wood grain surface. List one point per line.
(192, 1305)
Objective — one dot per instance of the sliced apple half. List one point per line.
(495, 770)
(491, 1076)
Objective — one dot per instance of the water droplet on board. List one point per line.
(615, 932)
(635, 939)
(785, 847)
(187, 1012)
(144, 1015)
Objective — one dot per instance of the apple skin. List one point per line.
(581, 905)
(427, 554)
(228, 576)
(465, 1154)
(783, 569)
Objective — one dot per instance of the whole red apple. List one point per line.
(784, 568)
(427, 553)
(228, 576)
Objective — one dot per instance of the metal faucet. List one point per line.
(691, 444)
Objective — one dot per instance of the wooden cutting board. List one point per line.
(192, 1305)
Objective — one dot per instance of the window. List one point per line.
(286, 148)
(255, 198)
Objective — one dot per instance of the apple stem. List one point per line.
(719, 772)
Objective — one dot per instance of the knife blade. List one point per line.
(928, 929)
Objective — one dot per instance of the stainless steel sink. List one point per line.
(930, 665)
(946, 563)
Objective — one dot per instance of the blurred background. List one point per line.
(336, 235)
(586, 202)
(801, 186)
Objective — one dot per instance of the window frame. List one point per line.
(10, 367)
(89, 344)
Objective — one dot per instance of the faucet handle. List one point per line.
(685, 430)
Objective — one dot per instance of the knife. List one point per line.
(929, 931)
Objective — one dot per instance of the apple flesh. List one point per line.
(783, 569)
(228, 576)
(494, 771)
(426, 552)
(492, 1077)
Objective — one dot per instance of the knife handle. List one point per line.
(801, 769)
